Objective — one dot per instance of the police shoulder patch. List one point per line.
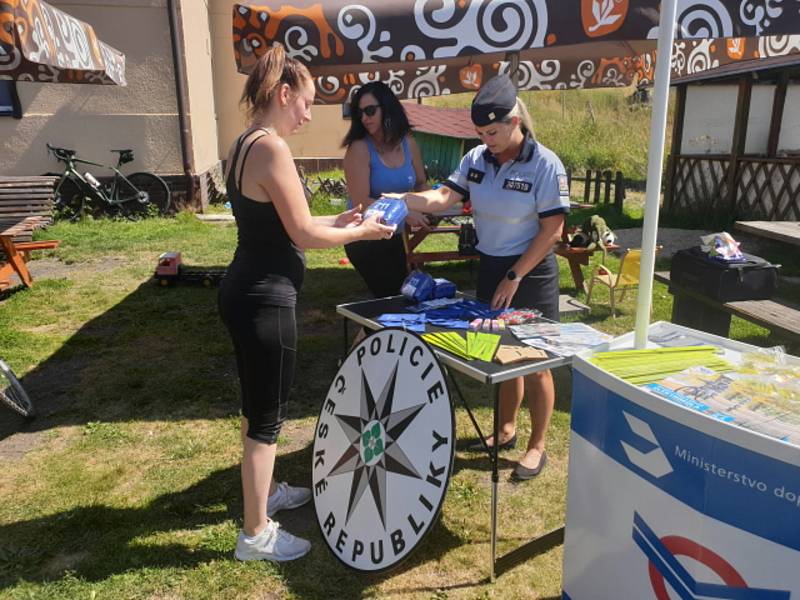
(475, 176)
(563, 185)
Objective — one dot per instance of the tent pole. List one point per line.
(655, 160)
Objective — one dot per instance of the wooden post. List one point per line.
(569, 178)
(619, 192)
(607, 194)
(597, 181)
(587, 186)
(777, 115)
(739, 139)
(675, 151)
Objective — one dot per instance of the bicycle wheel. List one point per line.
(69, 200)
(153, 191)
(12, 393)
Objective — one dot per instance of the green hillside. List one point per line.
(588, 129)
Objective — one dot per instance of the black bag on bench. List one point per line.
(750, 279)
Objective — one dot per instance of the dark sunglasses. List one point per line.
(368, 110)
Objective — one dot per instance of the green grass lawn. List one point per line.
(127, 484)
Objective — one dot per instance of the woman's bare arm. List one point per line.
(271, 164)
(356, 172)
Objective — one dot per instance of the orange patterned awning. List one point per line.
(424, 48)
(41, 43)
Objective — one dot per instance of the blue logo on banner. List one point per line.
(665, 567)
(719, 479)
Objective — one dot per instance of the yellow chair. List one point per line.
(628, 277)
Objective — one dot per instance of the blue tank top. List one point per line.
(383, 179)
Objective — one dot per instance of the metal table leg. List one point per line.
(346, 347)
(534, 547)
(493, 453)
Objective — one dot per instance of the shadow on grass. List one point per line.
(163, 354)
(96, 542)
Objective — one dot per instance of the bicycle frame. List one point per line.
(108, 193)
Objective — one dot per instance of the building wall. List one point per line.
(790, 129)
(761, 100)
(710, 116)
(200, 84)
(93, 119)
(320, 138)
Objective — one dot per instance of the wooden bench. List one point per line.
(701, 312)
(15, 254)
(22, 197)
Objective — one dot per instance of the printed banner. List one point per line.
(41, 43)
(425, 48)
(658, 508)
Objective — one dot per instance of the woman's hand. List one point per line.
(504, 293)
(349, 218)
(372, 229)
(417, 220)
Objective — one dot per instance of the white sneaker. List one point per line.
(287, 497)
(273, 543)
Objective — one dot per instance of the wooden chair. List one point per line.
(628, 277)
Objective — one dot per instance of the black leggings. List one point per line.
(265, 342)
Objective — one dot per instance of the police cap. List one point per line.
(494, 100)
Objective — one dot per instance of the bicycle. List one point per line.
(13, 394)
(130, 196)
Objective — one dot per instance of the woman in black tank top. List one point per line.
(258, 294)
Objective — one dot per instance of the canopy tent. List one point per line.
(44, 44)
(450, 50)
(447, 46)
(581, 66)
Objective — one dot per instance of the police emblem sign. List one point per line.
(383, 451)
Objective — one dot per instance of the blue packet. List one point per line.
(402, 320)
(443, 288)
(393, 211)
(418, 286)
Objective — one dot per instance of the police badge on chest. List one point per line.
(517, 185)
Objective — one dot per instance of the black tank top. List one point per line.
(266, 262)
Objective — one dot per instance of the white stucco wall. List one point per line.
(320, 138)
(790, 129)
(761, 101)
(710, 115)
(94, 119)
(200, 83)
(708, 120)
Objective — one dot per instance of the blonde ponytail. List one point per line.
(521, 111)
(272, 69)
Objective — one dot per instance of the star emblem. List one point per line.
(374, 447)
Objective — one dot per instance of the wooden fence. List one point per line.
(704, 186)
(597, 188)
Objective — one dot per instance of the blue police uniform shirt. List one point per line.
(509, 199)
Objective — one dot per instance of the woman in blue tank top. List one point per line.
(380, 140)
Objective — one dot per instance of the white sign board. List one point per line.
(383, 451)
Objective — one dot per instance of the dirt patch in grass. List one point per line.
(53, 268)
(64, 562)
(51, 392)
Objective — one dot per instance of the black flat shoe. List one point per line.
(522, 473)
(477, 445)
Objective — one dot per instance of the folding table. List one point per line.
(365, 313)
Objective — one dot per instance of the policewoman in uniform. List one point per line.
(520, 197)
